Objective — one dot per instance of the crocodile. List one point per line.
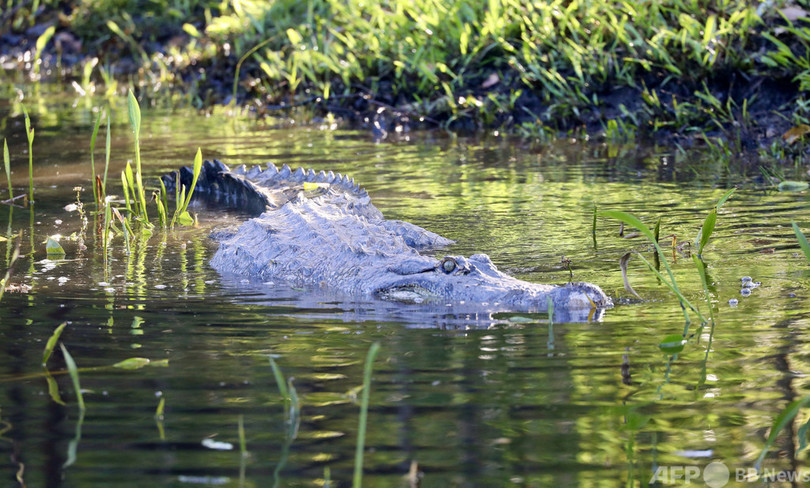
(320, 230)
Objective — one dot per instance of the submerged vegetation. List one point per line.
(622, 69)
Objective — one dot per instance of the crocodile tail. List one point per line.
(217, 184)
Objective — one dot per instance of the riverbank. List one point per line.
(726, 74)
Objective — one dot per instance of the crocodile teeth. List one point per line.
(285, 171)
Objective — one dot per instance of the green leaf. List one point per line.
(191, 30)
(42, 40)
(802, 435)
(672, 344)
(28, 131)
(357, 480)
(53, 249)
(92, 155)
(294, 36)
(53, 389)
(134, 114)
(282, 385)
(802, 241)
(195, 175)
(780, 422)
(672, 287)
(706, 230)
(7, 165)
(725, 197)
(629, 220)
(74, 375)
(160, 408)
(793, 186)
(132, 363)
(51, 344)
(185, 219)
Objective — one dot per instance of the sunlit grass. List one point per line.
(483, 62)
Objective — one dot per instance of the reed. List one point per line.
(93, 158)
(357, 480)
(139, 194)
(29, 133)
(42, 41)
(106, 159)
(7, 166)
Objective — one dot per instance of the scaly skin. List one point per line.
(321, 230)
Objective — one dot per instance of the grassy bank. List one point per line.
(618, 68)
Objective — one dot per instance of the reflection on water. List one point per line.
(474, 401)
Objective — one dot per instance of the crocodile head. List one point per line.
(457, 279)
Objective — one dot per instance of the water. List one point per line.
(497, 401)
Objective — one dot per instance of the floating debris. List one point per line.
(217, 445)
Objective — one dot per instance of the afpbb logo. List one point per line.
(713, 475)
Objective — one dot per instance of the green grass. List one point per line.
(534, 67)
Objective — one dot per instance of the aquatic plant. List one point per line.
(93, 176)
(51, 343)
(357, 480)
(137, 186)
(671, 283)
(29, 133)
(4, 282)
(805, 246)
(184, 199)
(74, 376)
(240, 431)
(701, 240)
(781, 421)
(7, 166)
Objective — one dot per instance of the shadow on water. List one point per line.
(493, 400)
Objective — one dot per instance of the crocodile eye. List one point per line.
(449, 265)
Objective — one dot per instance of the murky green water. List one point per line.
(472, 401)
